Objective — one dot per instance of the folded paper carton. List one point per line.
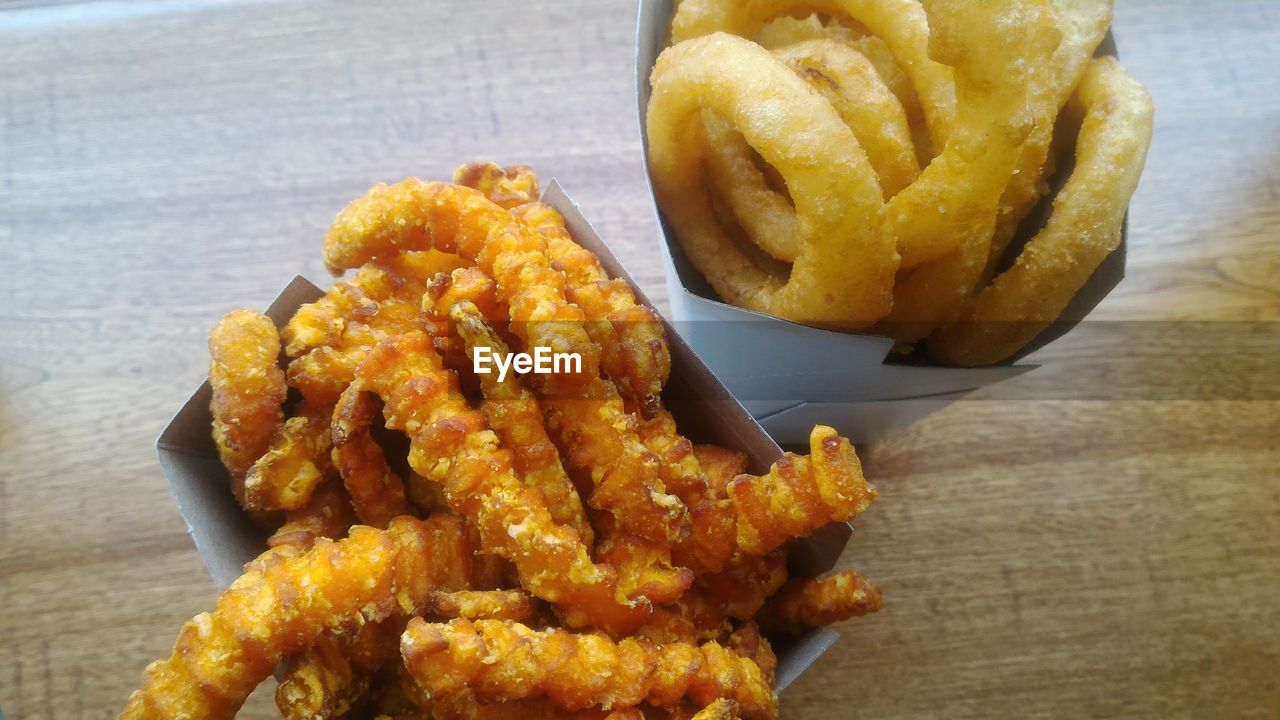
(791, 376)
(705, 410)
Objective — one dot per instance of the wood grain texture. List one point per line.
(165, 161)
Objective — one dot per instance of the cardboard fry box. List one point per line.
(792, 376)
(705, 410)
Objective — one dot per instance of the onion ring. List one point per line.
(1083, 229)
(790, 125)
(901, 24)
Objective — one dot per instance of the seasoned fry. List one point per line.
(282, 604)
(633, 344)
(506, 187)
(514, 414)
(296, 461)
(501, 661)
(376, 491)
(248, 390)
(327, 514)
(800, 494)
(452, 445)
(805, 603)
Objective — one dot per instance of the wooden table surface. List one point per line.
(1110, 555)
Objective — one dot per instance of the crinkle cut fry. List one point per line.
(508, 661)
(416, 215)
(748, 642)
(633, 344)
(513, 412)
(327, 514)
(506, 187)
(282, 603)
(451, 444)
(805, 603)
(800, 494)
(297, 460)
(705, 611)
(329, 337)
(713, 529)
(248, 390)
(377, 492)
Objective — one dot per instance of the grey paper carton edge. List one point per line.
(702, 304)
(226, 540)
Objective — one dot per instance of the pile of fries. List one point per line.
(453, 544)
(868, 167)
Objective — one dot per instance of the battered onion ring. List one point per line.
(784, 31)
(451, 444)
(1000, 50)
(850, 83)
(901, 24)
(282, 603)
(513, 412)
(248, 390)
(790, 125)
(805, 603)
(1083, 229)
(503, 660)
(1083, 24)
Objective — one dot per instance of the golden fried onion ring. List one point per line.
(1083, 229)
(789, 125)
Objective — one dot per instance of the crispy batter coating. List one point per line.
(514, 414)
(507, 187)
(327, 514)
(508, 661)
(805, 603)
(377, 492)
(298, 459)
(634, 353)
(800, 494)
(417, 215)
(722, 709)
(452, 445)
(282, 603)
(248, 390)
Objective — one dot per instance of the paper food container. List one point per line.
(705, 410)
(792, 376)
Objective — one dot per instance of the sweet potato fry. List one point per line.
(248, 390)
(805, 603)
(514, 414)
(452, 445)
(294, 464)
(508, 661)
(800, 494)
(282, 603)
